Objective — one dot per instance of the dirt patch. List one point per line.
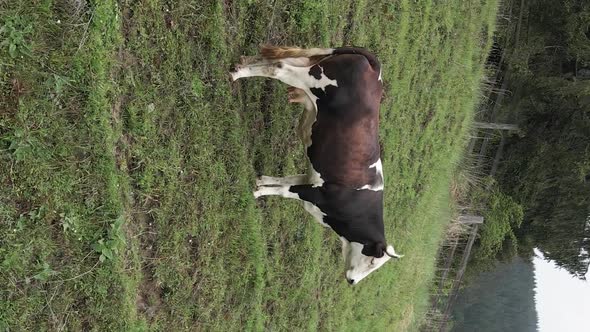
(428, 118)
(140, 227)
(9, 105)
(407, 318)
(122, 146)
(149, 297)
(141, 231)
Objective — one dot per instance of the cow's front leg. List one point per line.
(284, 181)
(282, 191)
(310, 195)
(305, 192)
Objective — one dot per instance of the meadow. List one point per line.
(128, 160)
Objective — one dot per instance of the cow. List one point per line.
(341, 90)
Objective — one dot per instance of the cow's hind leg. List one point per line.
(284, 181)
(281, 70)
(288, 74)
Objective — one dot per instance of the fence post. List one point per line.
(475, 221)
(495, 125)
(467, 219)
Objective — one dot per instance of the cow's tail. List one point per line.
(274, 52)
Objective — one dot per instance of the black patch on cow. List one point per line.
(318, 92)
(356, 215)
(316, 72)
(325, 96)
(374, 249)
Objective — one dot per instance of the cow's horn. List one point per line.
(391, 252)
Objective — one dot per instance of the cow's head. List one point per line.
(361, 259)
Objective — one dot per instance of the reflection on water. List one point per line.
(499, 300)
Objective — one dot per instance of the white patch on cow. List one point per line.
(322, 83)
(315, 177)
(315, 211)
(358, 266)
(380, 80)
(379, 182)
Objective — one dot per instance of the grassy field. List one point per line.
(127, 161)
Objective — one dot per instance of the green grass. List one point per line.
(121, 136)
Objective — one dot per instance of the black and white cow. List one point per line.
(341, 92)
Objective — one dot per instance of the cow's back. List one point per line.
(345, 136)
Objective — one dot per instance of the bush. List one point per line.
(502, 215)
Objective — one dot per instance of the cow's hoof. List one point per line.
(235, 68)
(262, 180)
(259, 182)
(233, 76)
(246, 60)
(233, 72)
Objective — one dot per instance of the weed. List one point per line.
(13, 34)
(109, 246)
(57, 85)
(45, 273)
(20, 145)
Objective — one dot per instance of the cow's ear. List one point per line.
(376, 249)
